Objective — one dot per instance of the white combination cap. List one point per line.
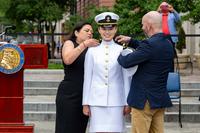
(107, 18)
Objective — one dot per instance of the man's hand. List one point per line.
(127, 110)
(123, 39)
(86, 110)
(170, 8)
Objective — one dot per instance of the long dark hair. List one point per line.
(78, 27)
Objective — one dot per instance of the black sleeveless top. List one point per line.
(74, 73)
(69, 116)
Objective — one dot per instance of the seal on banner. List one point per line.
(11, 58)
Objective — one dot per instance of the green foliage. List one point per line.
(3, 7)
(131, 13)
(194, 14)
(182, 5)
(73, 19)
(26, 14)
(55, 66)
(51, 12)
(20, 10)
(130, 22)
(71, 22)
(67, 5)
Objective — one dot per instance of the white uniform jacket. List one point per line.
(104, 83)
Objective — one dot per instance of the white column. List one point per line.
(197, 39)
(186, 27)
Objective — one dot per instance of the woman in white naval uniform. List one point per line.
(105, 88)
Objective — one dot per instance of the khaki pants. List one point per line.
(147, 120)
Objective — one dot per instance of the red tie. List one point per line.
(165, 27)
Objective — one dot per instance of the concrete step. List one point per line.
(29, 72)
(50, 88)
(169, 127)
(49, 105)
(41, 83)
(189, 92)
(42, 108)
(52, 75)
(40, 91)
(40, 103)
(193, 117)
(185, 116)
(192, 85)
(43, 74)
(55, 82)
(39, 115)
(41, 87)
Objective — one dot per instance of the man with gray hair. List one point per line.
(148, 95)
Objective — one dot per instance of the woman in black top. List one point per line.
(69, 116)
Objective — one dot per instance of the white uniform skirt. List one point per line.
(106, 119)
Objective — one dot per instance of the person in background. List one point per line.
(148, 95)
(58, 45)
(104, 90)
(49, 50)
(69, 115)
(170, 18)
(14, 41)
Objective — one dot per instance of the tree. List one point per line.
(51, 14)
(68, 5)
(3, 8)
(28, 13)
(193, 12)
(22, 11)
(131, 13)
(93, 11)
(71, 22)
